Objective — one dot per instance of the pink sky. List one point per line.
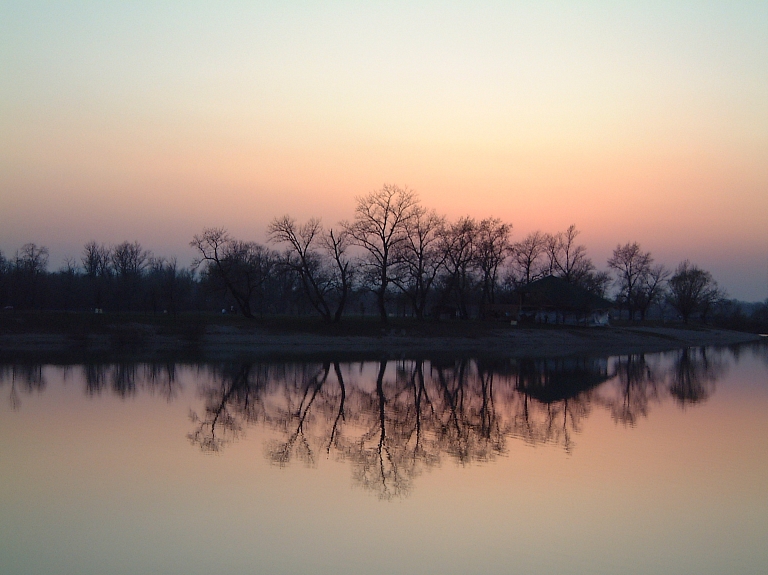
(639, 123)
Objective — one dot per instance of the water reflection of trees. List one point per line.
(125, 379)
(392, 420)
(121, 379)
(21, 379)
(694, 375)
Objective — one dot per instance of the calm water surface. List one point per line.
(653, 463)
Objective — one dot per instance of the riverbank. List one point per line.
(81, 338)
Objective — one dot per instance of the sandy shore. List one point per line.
(223, 343)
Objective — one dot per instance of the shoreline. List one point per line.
(216, 343)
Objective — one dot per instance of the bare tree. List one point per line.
(31, 259)
(596, 282)
(527, 256)
(324, 275)
(5, 270)
(567, 259)
(652, 289)
(337, 244)
(491, 250)
(692, 290)
(241, 267)
(419, 257)
(96, 260)
(129, 259)
(632, 266)
(459, 244)
(29, 267)
(379, 227)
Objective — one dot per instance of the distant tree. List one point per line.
(692, 290)
(5, 269)
(527, 258)
(567, 259)
(379, 227)
(318, 259)
(29, 268)
(67, 286)
(169, 287)
(129, 261)
(459, 246)
(241, 268)
(492, 247)
(652, 289)
(31, 259)
(418, 258)
(596, 282)
(96, 261)
(632, 266)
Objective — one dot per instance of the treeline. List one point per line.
(394, 257)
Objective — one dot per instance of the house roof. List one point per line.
(557, 293)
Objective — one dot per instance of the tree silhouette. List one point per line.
(379, 227)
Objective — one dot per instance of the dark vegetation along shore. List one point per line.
(76, 337)
(397, 280)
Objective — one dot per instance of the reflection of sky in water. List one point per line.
(660, 469)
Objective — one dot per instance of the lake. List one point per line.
(654, 463)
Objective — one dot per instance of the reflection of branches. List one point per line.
(693, 376)
(124, 379)
(392, 420)
(468, 427)
(406, 420)
(536, 422)
(555, 397)
(378, 464)
(280, 452)
(233, 391)
(27, 378)
(636, 384)
(340, 412)
(161, 378)
(95, 376)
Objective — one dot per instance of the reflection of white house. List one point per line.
(554, 300)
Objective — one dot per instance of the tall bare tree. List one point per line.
(419, 257)
(527, 258)
(379, 227)
(336, 245)
(324, 273)
(29, 267)
(129, 260)
(567, 259)
(492, 248)
(652, 289)
(241, 267)
(632, 266)
(459, 246)
(96, 260)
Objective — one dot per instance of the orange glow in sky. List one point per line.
(641, 122)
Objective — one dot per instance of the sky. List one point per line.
(636, 121)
